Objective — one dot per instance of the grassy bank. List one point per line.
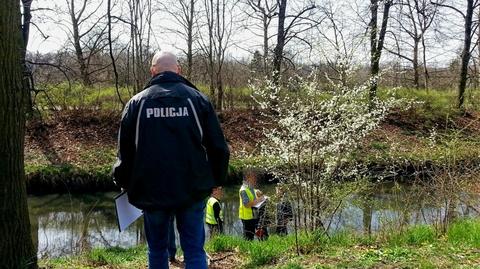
(417, 247)
(74, 150)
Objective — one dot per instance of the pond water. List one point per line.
(65, 224)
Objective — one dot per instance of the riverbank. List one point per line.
(73, 150)
(415, 247)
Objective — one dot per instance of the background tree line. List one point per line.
(419, 44)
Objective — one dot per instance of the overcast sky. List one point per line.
(444, 42)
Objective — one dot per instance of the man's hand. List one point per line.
(259, 199)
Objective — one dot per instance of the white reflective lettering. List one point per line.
(167, 112)
(149, 112)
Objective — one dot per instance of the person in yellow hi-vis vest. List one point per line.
(249, 197)
(214, 213)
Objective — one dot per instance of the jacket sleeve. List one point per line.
(215, 144)
(216, 214)
(122, 169)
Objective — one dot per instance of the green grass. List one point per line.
(101, 97)
(404, 147)
(466, 232)
(106, 258)
(106, 97)
(417, 247)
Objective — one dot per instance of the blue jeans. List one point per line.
(192, 236)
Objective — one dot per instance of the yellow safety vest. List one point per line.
(245, 213)
(210, 214)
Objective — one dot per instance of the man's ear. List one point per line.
(152, 70)
(179, 69)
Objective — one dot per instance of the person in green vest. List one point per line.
(214, 213)
(249, 197)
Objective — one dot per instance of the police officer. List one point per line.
(172, 152)
(249, 197)
(214, 212)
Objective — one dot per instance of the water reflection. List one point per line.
(69, 224)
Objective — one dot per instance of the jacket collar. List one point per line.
(169, 77)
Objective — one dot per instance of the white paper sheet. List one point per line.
(259, 204)
(126, 212)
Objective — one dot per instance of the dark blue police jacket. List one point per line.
(171, 148)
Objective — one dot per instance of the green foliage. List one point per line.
(432, 104)
(387, 255)
(116, 255)
(222, 243)
(466, 232)
(68, 178)
(78, 96)
(416, 235)
(339, 239)
(292, 265)
(417, 247)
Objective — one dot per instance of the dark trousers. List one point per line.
(214, 229)
(172, 245)
(249, 227)
(192, 236)
(281, 229)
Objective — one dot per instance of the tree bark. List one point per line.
(425, 68)
(416, 76)
(265, 43)
(78, 48)
(16, 247)
(278, 51)
(376, 42)
(465, 54)
(190, 40)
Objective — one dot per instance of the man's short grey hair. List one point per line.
(165, 61)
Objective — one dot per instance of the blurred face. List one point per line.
(251, 179)
(218, 192)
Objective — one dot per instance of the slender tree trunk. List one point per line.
(425, 67)
(110, 51)
(265, 44)
(465, 55)
(278, 51)
(78, 48)
(190, 40)
(374, 66)
(16, 247)
(211, 61)
(376, 45)
(416, 76)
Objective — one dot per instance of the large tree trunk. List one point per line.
(278, 51)
(27, 73)
(16, 247)
(465, 54)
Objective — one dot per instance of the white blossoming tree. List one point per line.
(315, 132)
